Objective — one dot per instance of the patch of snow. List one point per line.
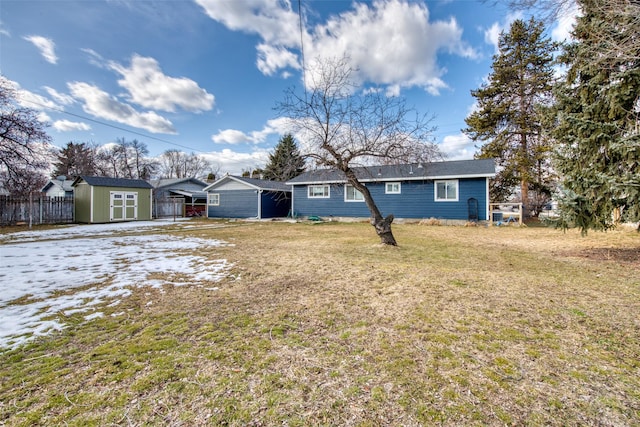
(42, 279)
(74, 231)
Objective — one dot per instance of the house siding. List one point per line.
(417, 200)
(242, 197)
(234, 204)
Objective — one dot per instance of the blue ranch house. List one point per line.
(239, 197)
(453, 190)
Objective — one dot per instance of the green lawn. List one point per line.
(317, 324)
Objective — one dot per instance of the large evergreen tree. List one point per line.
(285, 162)
(509, 117)
(598, 118)
(75, 159)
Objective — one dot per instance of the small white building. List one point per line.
(59, 187)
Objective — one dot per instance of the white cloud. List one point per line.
(458, 147)
(67, 126)
(32, 100)
(149, 87)
(94, 58)
(45, 46)
(230, 136)
(492, 35)
(43, 117)
(100, 104)
(61, 98)
(278, 126)
(389, 42)
(566, 21)
(3, 30)
(235, 163)
(274, 21)
(273, 58)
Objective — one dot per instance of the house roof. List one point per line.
(169, 182)
(482, 168)
(258, 184)
(65, 185)
(102, 181)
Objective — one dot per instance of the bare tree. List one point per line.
(344, 127)
(176, 164)
(108, 161)
(144, 166)
(23, 144)
(125, 159)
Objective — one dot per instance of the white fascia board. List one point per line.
(227, 178)
(479, 175)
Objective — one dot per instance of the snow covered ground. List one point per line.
(36, 265)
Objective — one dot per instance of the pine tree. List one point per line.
(598, 119)
(285, 162)
(75, 159)
(509, 116)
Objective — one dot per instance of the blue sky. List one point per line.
(204, 76)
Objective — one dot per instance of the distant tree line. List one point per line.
(128, 159)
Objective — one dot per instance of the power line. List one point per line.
(304, 72)
(60, 110)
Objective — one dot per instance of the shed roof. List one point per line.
(482, 168)
(258, 184)
(103, 181)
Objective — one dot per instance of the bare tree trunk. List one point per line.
(382, 225)
(383, 228)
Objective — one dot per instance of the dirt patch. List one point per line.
(627, 256)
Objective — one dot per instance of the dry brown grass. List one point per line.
(320, 325)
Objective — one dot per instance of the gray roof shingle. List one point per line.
(102, 181)
(166, 182)
(415, 171)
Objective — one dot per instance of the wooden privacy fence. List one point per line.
(59, 210)
(35, 209)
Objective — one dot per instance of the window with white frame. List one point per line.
(318, 192)
(352, 195)
(446, 191)
(213, 199)
(392, 188)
